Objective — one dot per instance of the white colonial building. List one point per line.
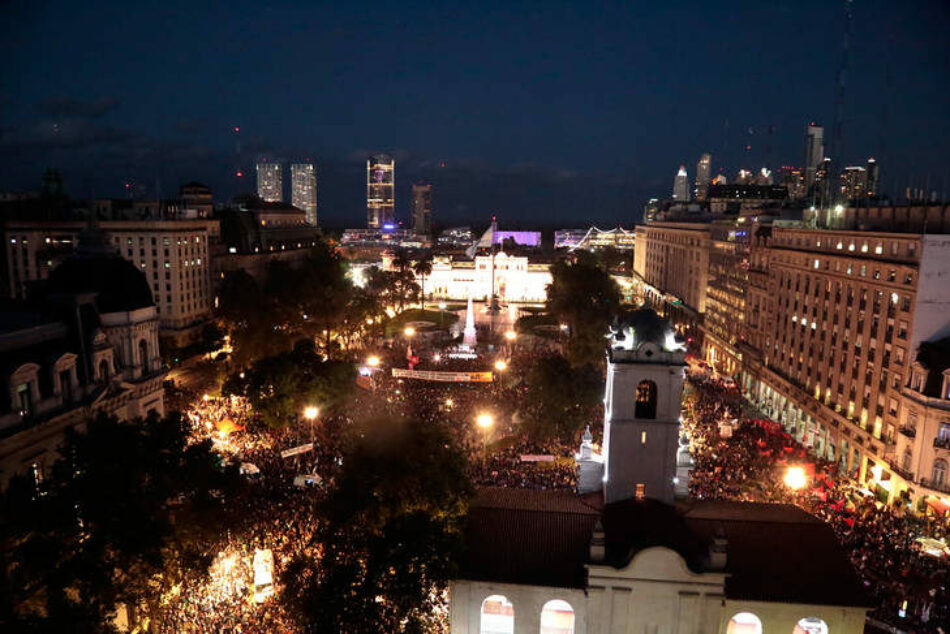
(515, 278)
(623, 557)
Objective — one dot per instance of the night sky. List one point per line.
(544, 113)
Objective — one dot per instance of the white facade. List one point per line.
(654, 593)
(515, 279)
(641, 422)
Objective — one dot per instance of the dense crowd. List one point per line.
(911, 587)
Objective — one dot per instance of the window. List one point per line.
(143, 355)
(497, 616)
(104, 370)
(744, 623)
(646, 400)
(940, 472)
(557, 617)
(811, 625)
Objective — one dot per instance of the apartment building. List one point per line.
(671, 266)
(174, 256)
(833, 320)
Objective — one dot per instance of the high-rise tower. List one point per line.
(303, 190)
(270, 182)
(681, 186)
(814, 153)
(421, 209)
(645, 369)
(380, 182)
(874, 178)
(703, 172)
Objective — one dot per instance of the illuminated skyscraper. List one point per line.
(874, 178)
(380, 181)
(270, 182)
(303, 190)
(814, 153)
(703, 169)
(421, 209)
(681, 186)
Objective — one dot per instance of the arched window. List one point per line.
(744, 623)
(557, 617)
(143, 354)
(104, 370)
(646, 400)
(811, 625)
(940, 471)
(498, 616)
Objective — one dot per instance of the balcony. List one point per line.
(942, 443)
(910, 432)
(943, 487)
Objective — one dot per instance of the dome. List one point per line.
(120, 287)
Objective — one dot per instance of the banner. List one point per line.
(445, 377)
(293, 451)
(528, 457)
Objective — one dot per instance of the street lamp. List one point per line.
(511, 335)
(409, 331)
(310, 413)
(795, 478)
(485, 420)
(501, 365)
(373, 361)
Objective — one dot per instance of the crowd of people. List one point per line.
(911, 586)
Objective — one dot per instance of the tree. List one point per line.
(129, 508)
(559, 399)
(585, 297)
(281, 386)
(423, 268)
(389, 531)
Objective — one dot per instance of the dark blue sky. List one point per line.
(563, 113)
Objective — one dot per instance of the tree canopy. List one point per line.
(128, 507)
(389, 532)
(585, 297)
(559, 399)
(281, 386)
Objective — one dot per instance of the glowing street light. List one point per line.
(485, 420)
(795, 478)
(441, 305)
(205, 398)
(449, 402)
(373, 361)
(409, 331)
(310, 413)
(511, 335)
(501, 365)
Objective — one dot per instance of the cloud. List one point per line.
(70, 107)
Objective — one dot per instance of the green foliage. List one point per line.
(390, 531)
(280, 387)
(559, 399)
(125, 508)
(438, 317)
(583, 296)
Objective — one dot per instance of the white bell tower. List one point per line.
(644, 391)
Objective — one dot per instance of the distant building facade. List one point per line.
(703, 174)
(303, 190)
(681, 186)
(380, 192)
(89, 343)
(422, 208)
(173, 255)
(594, 238)
(270, 182)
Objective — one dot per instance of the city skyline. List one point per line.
(102, 128)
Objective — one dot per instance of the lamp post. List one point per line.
(310, 413)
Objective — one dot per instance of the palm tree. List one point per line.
(423, 267)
